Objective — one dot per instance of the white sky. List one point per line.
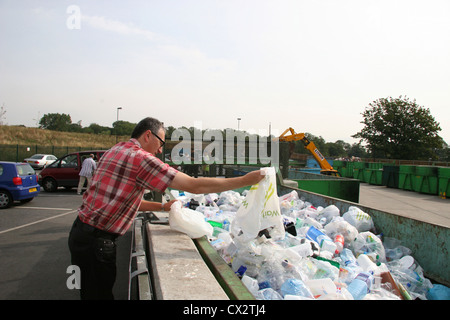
(310, 65)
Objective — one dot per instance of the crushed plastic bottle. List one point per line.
(295, 287)
(361, 285)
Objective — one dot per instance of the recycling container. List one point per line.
(337, 187)
(443, 181)
(390, 176)
(426, 180)
(406, 177)
(358, 170)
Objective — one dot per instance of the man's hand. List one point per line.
(254, 177)
(167, 205)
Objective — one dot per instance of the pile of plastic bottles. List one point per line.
(324, 255)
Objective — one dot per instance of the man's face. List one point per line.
(156, 141)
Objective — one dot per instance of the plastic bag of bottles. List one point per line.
(370, 244)
(359, 219)
(340, 226)
(328, 213)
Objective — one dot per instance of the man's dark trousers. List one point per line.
(94, 252)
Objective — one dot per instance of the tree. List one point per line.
(55, 121)
(398, 128)
(97, 129)
(356, 150)
(337, 149)
(123, 128)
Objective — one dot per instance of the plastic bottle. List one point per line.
(350, 267)
(319, 287)
(215, 224)
(366, 263)
(313, 233)
(360, 286)
(251, 284)
(295, 287)
(339, 242)
(326, 243)
(348, 258)
(304, 249)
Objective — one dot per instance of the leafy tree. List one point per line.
(357, 150)
(123, 128)
(55, 121)
(337, 149)
(398, 128)
(97, 129)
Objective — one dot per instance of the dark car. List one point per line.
(64, 172)
(18, 182)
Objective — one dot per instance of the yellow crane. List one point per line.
(311, 147)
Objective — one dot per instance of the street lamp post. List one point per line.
(238, 119)
(119, 108)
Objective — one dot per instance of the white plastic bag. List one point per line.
(260, 210)
(359, 219)
(189, 221)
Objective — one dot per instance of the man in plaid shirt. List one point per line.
(115, 196)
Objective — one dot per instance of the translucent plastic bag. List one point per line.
(260, 210)
(189, 221)
(369, 243)
(359, 219)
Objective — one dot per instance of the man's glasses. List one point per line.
(161, 140)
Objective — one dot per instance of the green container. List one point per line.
(375, 165)
(342, 171)
(358, 174)
(407, 177)
(390, 176)
(349, 173)
(358, 170)
(336, 187)
(338, 164)
(359, 165)
(444, 181)
(373, 176)
(426, 180)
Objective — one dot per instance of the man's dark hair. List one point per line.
(148, 123)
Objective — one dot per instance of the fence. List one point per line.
(19, 152)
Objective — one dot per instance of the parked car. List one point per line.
(18, 182)
(64, 172)
(39, 161)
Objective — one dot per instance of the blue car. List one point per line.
(18, 182)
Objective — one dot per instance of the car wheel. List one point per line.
(5, 199)
(50, 185)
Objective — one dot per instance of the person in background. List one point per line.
(115, 196)
(87, 169)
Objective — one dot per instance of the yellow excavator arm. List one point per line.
(311, 147)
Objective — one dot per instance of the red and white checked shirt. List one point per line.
(123, 174)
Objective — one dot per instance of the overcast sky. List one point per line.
(310, 65)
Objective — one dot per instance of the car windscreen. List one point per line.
(37, 156)
(24, 169)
